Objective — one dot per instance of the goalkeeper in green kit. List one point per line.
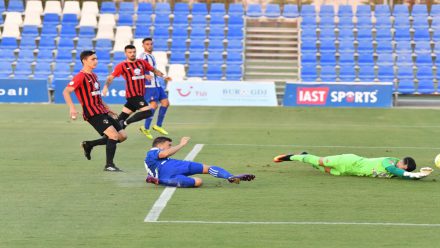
(354, 165)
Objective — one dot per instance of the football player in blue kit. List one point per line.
(173, 172)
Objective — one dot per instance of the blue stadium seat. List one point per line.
(200, 9)
(234, 45)
(125, 19)
(196, 57)
(365, 45)
(382, 22)
(272, 10)
(235, 34)
(327, 58)
(425, 78)
(363, 10)
(420, 22)
(30, 31)
(308, 56)
(104, 44)
(180, 34)
(66, 43)
(215, 57)
(365, 58)
(406, 85)
(217, 8)
(67, 31)
(327, 21)
(346, 58)
(345, 23)
(422, 34)
(365, 33)
(383, 33)
(8, 43)
(196, 70)
(235, 21)
(64, 54)
(217, 20)
(108, 7)
(146, 8)
(27, 42)
(328, 73)
(308, 72)
(290, 11)
(235, 9)
(181, 8)
(401, 21)
(179, 47)
(435, 10)
(345, 11)
(161, 33)
(234, 58)
(216, 45)
(327, 10)
(404, 58)
(69, 19)
(23, 70)
(199, 21)
(216, 33)
(45, 55)
(177, 58)
(162, 8)
(423, 46)
(118, 57)
(198, 34)
(128, 7)
(160, 44)
(86, 32)
(385, 73)
(419, 10)
(346, 45)
(143, 19)
(382, 11)
(180, 19)
(2, 6)
(327, 44)
(49, 31)
(366, 73)
(42, 71)
(51, 18)
(142, 31)
(84, 44)
(15, 6)
(308, 44)
(26, 55)
(233, 72)
(162, 20)
(364, 22)
(400, 9)
(424, 58)
(347, 73)
(403, 46)
(197, 45)
(308, 10)
(385, 59)
(103, 56)
(214, 71)
(308, 33)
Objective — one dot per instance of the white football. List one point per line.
(437, 160)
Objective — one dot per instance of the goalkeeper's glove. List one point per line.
(426, 171)
(414, 175)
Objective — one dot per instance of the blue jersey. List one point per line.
(153, 163)
(154, 83)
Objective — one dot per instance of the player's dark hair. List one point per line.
(85, 54)
(145, 39)
(160, 140)
(410, 163)
(129, 47)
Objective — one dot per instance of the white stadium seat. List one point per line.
(123, 37)
(107, 20)
(105, 32)
(177, 72)
(138, 44)
(12, 30)
(33, 7)
(32, 19)
(90, 8)
(120, 44)
(71, 7)
(161, 58)
(88, 21)
(53, 7)
(13, 18)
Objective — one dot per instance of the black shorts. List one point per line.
(102, 122)
(135, 103)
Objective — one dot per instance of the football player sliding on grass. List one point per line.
(354, 165)
(175, 173)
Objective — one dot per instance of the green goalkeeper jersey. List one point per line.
(375, 167)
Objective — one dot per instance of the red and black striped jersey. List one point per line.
(88, 92)
(134, 75)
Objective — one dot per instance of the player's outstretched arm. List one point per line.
(172, 150)
(107, 84)
(408, 175)
(72, 111)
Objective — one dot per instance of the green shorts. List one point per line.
(342, 163)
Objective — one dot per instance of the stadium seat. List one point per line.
(347, 73)
(69, 19)
(26, 55)
(177, 72)
(125, 19)
(104, 32)
(89, 8)
(235, 22)
(345, 11)
(71, 7)
(366, 73)
(424, 58)
(8, 43)
(215, 58)
(84, 44)
(327, 58)
(197, 45)
(199, 21)
(162, 8)
(146, 8)
(2, 6)
(234, 45)
(400, 9)
(346, 58)
(234, 58)
(217, 20)
(23, 70)
(30, 31)
(217, 8)
(196, 69)
(425, 79)
(327, 21)
(66, 43)
(107, 20)
(196, 57)
(86, 32)
(254, 10)
(365, 45)
(88, 21)
(365, 57)
(308, 10)
(104, 56)
(327, 44)
(363, 10)
(27, 42)
(423, 46)
(177, 58)
(328, 73)
(385, 59)
(15, 6)
(345, 23)
(419, 10)
(127, 7)
(51, 19)
(42, 71)
(233, 73)
(290, 11)
(308, 57)
(214, 71)
(216, 45)
(308, 72)
(142, 31)
(108, 7)
(13, 18)
(181, 8)
(421, 34)
(403, 46)
(199, 9)
(235, 9)
(381, 11)
(198, 34)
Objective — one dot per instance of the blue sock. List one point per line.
(161, 116)
(149, 120)
(219, 172)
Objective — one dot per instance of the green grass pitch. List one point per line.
(51, 196)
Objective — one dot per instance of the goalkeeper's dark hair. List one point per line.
(147, 39)
(160, 140)
(85, 54)
(410, 163)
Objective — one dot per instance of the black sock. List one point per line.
(123, 116)
(140, 116)
(98, 142)
(110, 151)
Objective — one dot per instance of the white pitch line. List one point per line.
(296, 223)
(331, 146)
(168, 192)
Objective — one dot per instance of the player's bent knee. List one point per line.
(122, 136)
(197, 182)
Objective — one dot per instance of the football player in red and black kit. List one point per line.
(134, 71)
(87, 89)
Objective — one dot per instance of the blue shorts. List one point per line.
(156, 94)
(175, 173)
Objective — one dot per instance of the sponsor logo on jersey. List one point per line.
(95, 93)
(96, 85)
(71, 83)
(137, 71)
(138, 77)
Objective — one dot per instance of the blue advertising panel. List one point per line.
(116, 93)
(23, 91)
(339, 94)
